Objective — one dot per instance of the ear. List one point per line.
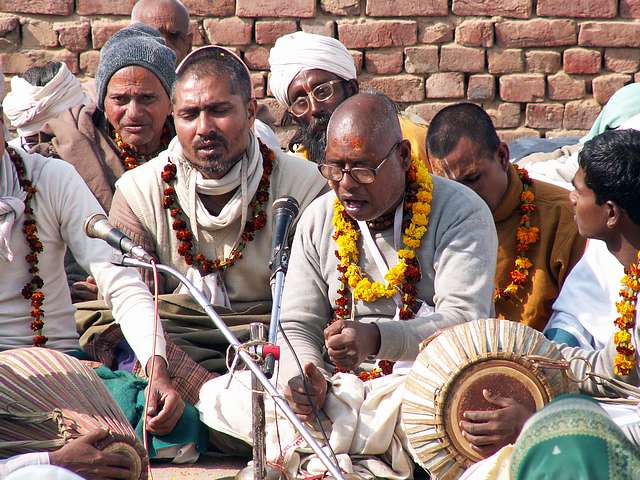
(404, 149)
(614, 214)
(252, 108)
(503, 155)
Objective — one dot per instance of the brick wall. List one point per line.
(541, 67)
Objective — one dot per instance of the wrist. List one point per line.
(160, 367)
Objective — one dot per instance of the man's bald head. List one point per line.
(171, 18)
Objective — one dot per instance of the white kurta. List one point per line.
(61, 204)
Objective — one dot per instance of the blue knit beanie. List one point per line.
(140, 45)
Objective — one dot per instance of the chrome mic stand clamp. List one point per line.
(246, 357)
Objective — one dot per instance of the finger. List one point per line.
(496, 399)
(103, 473)
(313, 374)
(487, 428)
(304, 399)
(95, 436)
(152, 401)
(91, 280)
(342, 354)
(171, 411)
(334, 328)
(116, 460)
(346, 364)
(483, 440)
(481, 416)
(341, 341)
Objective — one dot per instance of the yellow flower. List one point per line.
(623, 364)
(625, 308)
(511, 289)
(395, 275)
(411, 242)
(406, 253)
(419, 219)
(424, 196)
(523, 262)
(622, 337)
(421, 207)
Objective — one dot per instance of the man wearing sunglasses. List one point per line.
(311, 75)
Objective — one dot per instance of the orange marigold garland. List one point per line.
(259, 219)
(526, 235)
(625, 358)
(33, 289)
(403, 276)
(130, 157)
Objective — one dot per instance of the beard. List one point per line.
(214, 165)
(313, 137)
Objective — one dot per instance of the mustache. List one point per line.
(201, 141)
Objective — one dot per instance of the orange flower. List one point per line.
(527, 196)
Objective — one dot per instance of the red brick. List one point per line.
(454, 58)
(74, 36)
(257, 58)
(522, 87)
(8, 24)
(421, 59)
(210, 8)
(258, 81)
(445, 85)
(581, 61)
(489, 8)
(630, 8)
(427, 111)
(622, 60)
(377, 33)
(436, 33)
(20, 61)
(276, 8)
(475, 33)
(563, 87)
(407, 8)
(9, 34)
(544, 115)
(228, 31)
(274, 107)
(606, 85)
(508, 136)
(505, 61)
(507, 115)
(105, 7)
(358, 59)
(609, 34)
(267, 32)
(543, 61)
(577, 8)
(340, 7)
(636, 77)
(89, 62)
(319, 27)
(481, 87)
(383, 61)
(37, 34)
(399, 88)
(536, 33)
(196, 33)
(580, 114)
(102, 30)
(41, 7)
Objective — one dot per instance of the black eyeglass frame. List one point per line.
(305, 98)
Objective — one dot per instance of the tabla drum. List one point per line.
(48, 398)
(449, 375)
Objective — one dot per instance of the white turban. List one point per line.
(29, 107)
(300, 51)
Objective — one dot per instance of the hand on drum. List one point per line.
(488, 431)
(83, 458)
(350, 343)
(165, 404)
(296, 395)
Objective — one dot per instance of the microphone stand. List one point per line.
(256, 371)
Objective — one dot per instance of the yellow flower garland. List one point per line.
(347, 242)
(626, 353)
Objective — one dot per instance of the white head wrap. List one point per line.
(28, 107)
(300, 51)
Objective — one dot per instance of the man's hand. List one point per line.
(489, 431)
(165, 404)
(82, 457)
(296, 395)
(350, 343)
(84, 291)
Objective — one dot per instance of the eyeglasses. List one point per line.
(362, 175)
(320, 93)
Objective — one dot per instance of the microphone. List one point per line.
(98, 226)
(285, 210)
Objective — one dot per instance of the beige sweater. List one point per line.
(458, 260)
(137, 211)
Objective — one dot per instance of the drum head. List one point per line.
(500, 377)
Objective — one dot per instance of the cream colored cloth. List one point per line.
(12, 198)
(300, 51)
(245, 174)
(362, 425)
(29, 107)
(495, 467)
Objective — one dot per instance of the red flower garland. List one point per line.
(413, 274)
(129, 154)
(33, 289)
(259, 218)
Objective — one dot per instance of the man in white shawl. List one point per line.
(310, 76)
